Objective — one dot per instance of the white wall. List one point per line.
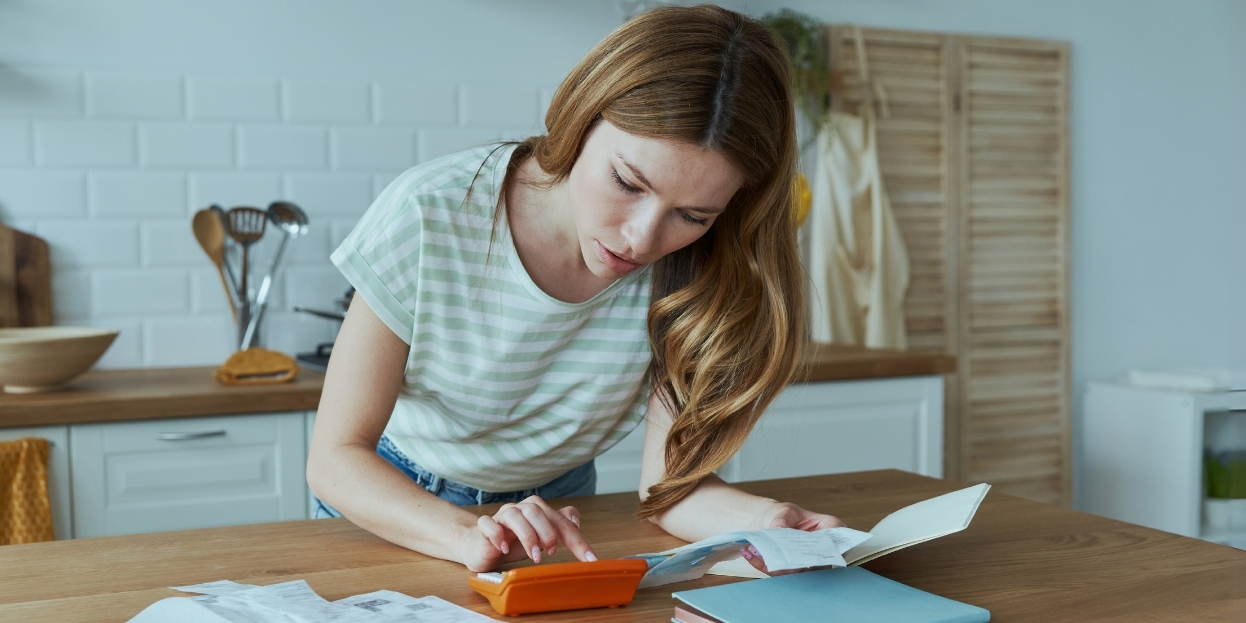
(119, 119)
(1158, 162)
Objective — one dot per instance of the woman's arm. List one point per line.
(361, 387)
(714, 507)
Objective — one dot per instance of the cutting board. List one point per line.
(25, 280)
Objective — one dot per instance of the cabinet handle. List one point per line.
(187, 436)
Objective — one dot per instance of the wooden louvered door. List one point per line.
(974, 156)
(914, 141)
(1013, 212)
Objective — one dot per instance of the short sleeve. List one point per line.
(381, 256)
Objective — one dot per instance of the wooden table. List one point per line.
(1022, 560)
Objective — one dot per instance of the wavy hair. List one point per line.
(726, 319)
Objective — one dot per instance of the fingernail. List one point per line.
(551, 550)
(506, 549)
(745, 553)
(536, 554)
(591, 556)
(753, 550)
(575, 520)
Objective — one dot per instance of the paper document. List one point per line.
(782, 548)
(918, 523)
(296, 602)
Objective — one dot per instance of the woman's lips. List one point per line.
(614, 261)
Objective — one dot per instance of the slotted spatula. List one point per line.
(246, 227)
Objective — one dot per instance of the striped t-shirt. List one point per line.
(506, 387)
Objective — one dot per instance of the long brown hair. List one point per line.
(726, 320)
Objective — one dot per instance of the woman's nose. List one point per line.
(641, 230)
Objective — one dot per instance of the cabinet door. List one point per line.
(58, 472)
(187, 473)
(846, 426)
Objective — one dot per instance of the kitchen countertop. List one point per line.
(1022, 560)
(157, 393)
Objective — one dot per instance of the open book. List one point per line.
(786, 548)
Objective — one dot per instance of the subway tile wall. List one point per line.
(108, 167)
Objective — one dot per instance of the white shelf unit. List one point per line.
(1144, 454)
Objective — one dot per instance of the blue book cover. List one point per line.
(849, 594)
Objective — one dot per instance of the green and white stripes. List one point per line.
(506, 388)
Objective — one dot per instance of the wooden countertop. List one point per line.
(1022, 560)
(127, 395)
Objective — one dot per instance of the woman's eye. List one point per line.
(624, 185)
(694, 220)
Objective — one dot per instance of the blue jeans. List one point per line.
(579, 481)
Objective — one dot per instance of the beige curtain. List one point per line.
(857, 261)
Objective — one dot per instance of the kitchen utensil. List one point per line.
(211, 237)
(38, 359)
(25, 280)
(246, 227)
(293, 221)
(229, 246)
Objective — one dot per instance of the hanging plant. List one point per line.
(810, 75)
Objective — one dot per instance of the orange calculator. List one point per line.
(562, 586)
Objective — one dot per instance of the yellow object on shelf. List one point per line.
(803, 198)
(25, 506)
(257, 366)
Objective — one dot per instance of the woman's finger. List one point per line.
(571, 513)
(541, 518)
(569, 532)
(494, 533)
(513, 518)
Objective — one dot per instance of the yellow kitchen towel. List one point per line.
(25, 506)
(257, 366)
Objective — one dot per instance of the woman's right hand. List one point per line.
(529, 529)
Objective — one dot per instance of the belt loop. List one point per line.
(435, 484)
(480, 496)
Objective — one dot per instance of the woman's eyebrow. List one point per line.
(640, 176)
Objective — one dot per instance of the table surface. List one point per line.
(1022, 560)
(158, 393)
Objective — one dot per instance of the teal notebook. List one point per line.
(848, 594)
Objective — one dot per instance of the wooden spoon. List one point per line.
(211, 236)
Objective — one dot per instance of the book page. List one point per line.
(920, 522)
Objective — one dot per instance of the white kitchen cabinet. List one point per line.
(187, 473)
(822, 428)
(58, 473)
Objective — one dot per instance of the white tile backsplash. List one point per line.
(234, 189)
(130, 194)
(330, 194)
(109, 166)
(283, 147)
(223, 98)
(84, 143)
(145, 292)
(135, 96)
(372, 148)
(187, 145)
(39, 93)
(27, 194)
(416, 104)
(91, 244)
(15, 143)
(327, 101)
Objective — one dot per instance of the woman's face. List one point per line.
(635, 199)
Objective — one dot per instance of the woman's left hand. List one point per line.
(787, 515)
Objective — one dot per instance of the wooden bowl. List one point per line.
(40, 359)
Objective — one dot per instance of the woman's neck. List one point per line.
(545, 235)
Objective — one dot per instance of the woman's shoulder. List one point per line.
(446, 182)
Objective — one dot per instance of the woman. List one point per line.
(522, 307)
